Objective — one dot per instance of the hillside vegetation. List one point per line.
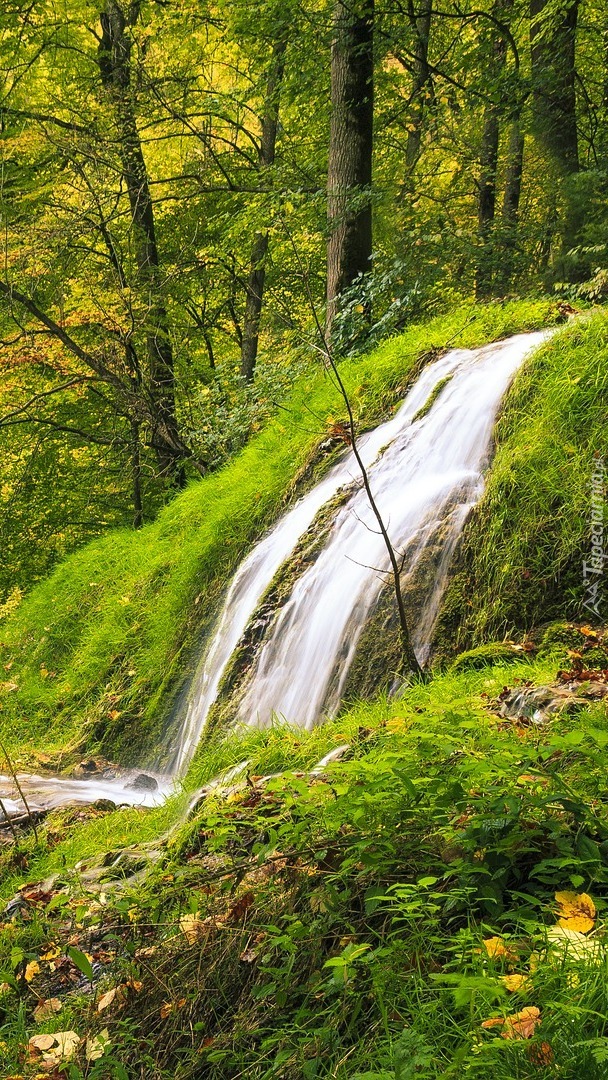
(429, 906)
(96, 653)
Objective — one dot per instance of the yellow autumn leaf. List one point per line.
(97, 1045)
(171, 1006)
(32, 969)
(192, 927)
(576, 911)
(579, 923)
(397, 725)
(51, 953)
(515, 982)
(46, 1009)
(497, 949)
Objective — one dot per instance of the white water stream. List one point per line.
(426, 474)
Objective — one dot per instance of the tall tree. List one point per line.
(257, 273)
(420, 23)
(553, 26)
(115, 69)
(488, 158)
(349, 174)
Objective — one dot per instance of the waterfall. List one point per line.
(426, 468)
(426, 473)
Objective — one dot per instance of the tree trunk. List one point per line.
(488, 158)
(511, 199)
(552, 49)
(115, 69)
(138, 506)
(421, 25)
(553, 55)
(349, 175)
(257, 272)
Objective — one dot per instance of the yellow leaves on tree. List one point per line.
(576, 911)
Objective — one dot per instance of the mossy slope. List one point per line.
(95, 652)
(522, 557)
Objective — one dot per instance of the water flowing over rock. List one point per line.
(426, 467)
(426, 470)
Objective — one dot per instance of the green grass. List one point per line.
(365, 897)
(96, 652)
(526, 541)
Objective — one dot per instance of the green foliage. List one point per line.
(334, 925)
(97, 650)
(527, 539)
(485, 656)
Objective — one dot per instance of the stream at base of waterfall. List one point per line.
(426, 469)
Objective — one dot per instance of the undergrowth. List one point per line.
(94, 656)
(522, 561)
(364, 921)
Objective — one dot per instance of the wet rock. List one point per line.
(336, 754)
(86, 768)
(106, 805)
(537, 704)
(15, 905)
(143, 782)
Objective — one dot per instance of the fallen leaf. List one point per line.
(52, 952)
(97, 1045)
(238, 910)
(46, 1009)
(32, 969)
(576, 911)
(520, 1025)
(192, 927)
(106, 999)
(54, 1049)
(171, 1006)
(135, 984)
(578, 947)
(541, 1054)
(497, 949)
(67, 1044)
(41, 1042)
(515, 982)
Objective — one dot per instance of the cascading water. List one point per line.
(426, 471)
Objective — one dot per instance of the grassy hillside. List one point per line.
(363, 923)
(94, 655)
(526, 541)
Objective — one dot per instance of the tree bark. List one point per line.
(257, 273)
(553, 53)
(420, 22)
(115, 68)
(553, 57)
(488, 158)
(511, 200)
(349, 175)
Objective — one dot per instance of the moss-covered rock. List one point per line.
(559, 637)
(485, 655)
